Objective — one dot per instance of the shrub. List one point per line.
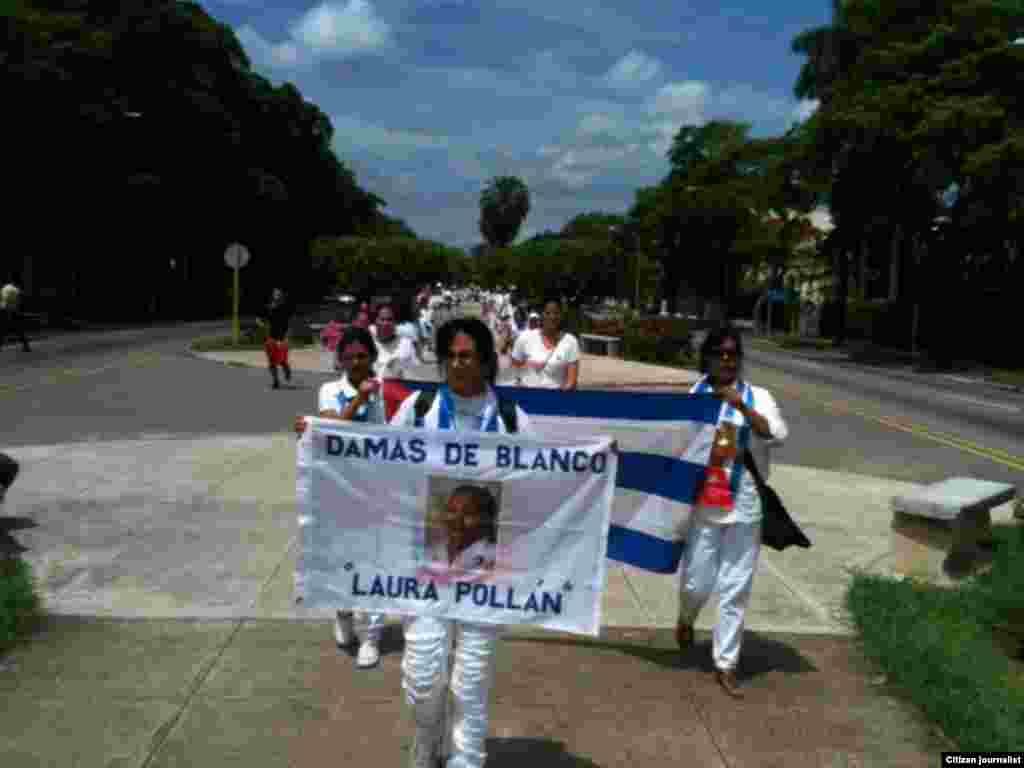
(20, 606)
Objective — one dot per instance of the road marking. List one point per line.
(987, 403)
(992, 454)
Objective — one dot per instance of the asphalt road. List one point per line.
(148, 385)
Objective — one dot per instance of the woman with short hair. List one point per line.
(550, 355)
(465, 402)
(724, 540)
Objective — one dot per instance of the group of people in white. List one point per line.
(722, 545)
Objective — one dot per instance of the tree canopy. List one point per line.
(151, 136)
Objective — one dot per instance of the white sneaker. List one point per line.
(344, 630)
(369, 655)
(425, 749)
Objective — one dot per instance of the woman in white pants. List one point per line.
(356, 396)
(724, 541)
(468, 364)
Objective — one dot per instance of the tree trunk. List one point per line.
(841, 292)
(894, 263)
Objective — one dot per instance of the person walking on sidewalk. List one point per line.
(278, 317)
(396, 354)
(356, 396)
(465, 402)
(11, 319)
(550, 355)
(724, 540)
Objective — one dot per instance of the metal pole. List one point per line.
(234, 323)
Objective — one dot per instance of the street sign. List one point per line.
(236, 256)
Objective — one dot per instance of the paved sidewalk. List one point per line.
(174, 641)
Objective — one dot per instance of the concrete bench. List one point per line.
(944, 531)
(610, 345)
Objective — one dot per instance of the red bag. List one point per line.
(715, 491)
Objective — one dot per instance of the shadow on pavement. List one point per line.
(761, 654)
(541, 753)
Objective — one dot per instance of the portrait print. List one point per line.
(461, 524)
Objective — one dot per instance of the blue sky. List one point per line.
(431, 98)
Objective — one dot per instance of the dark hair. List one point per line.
(481, 336)
(8, 471)
(551, 300)
(386, 305)
(356, 335)
(714, 340)
(487, 505)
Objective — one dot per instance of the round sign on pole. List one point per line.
(236, 256)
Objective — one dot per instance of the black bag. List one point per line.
(778, 529)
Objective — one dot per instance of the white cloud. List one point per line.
(329, 29)
(804, 109)
(683, 100)
(271, 56)
(598, 122)
(635, 68)
(674, 105)
(579, 165)
(350, 130)
(334, 29)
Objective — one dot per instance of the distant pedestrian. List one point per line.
(278, 318)
(396, 354)
(11, 320)
(550, 356)
(724, 539)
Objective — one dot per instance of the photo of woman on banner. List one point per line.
(462, 535)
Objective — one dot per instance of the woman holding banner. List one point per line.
(466, 401)
(356, 396)
(724, 540)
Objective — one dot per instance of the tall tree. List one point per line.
(504, 205)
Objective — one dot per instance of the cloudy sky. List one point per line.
(431, 98)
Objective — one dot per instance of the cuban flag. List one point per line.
(664, 442)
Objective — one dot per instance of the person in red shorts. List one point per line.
(278, 317)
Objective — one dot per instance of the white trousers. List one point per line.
(374, 626)
(425, 681)
(374, 621)
(720, 558)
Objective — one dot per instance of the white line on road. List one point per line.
(987, 403)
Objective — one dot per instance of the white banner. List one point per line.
(481, 527)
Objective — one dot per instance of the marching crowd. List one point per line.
(722, 545)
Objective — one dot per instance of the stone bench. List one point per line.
(610, 345)
(944, 531)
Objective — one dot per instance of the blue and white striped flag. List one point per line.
(664, 444)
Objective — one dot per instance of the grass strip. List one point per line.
(20, 605)
(1013, 378)
(942, 647)
(227, 344)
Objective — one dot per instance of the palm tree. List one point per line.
(504, 204)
